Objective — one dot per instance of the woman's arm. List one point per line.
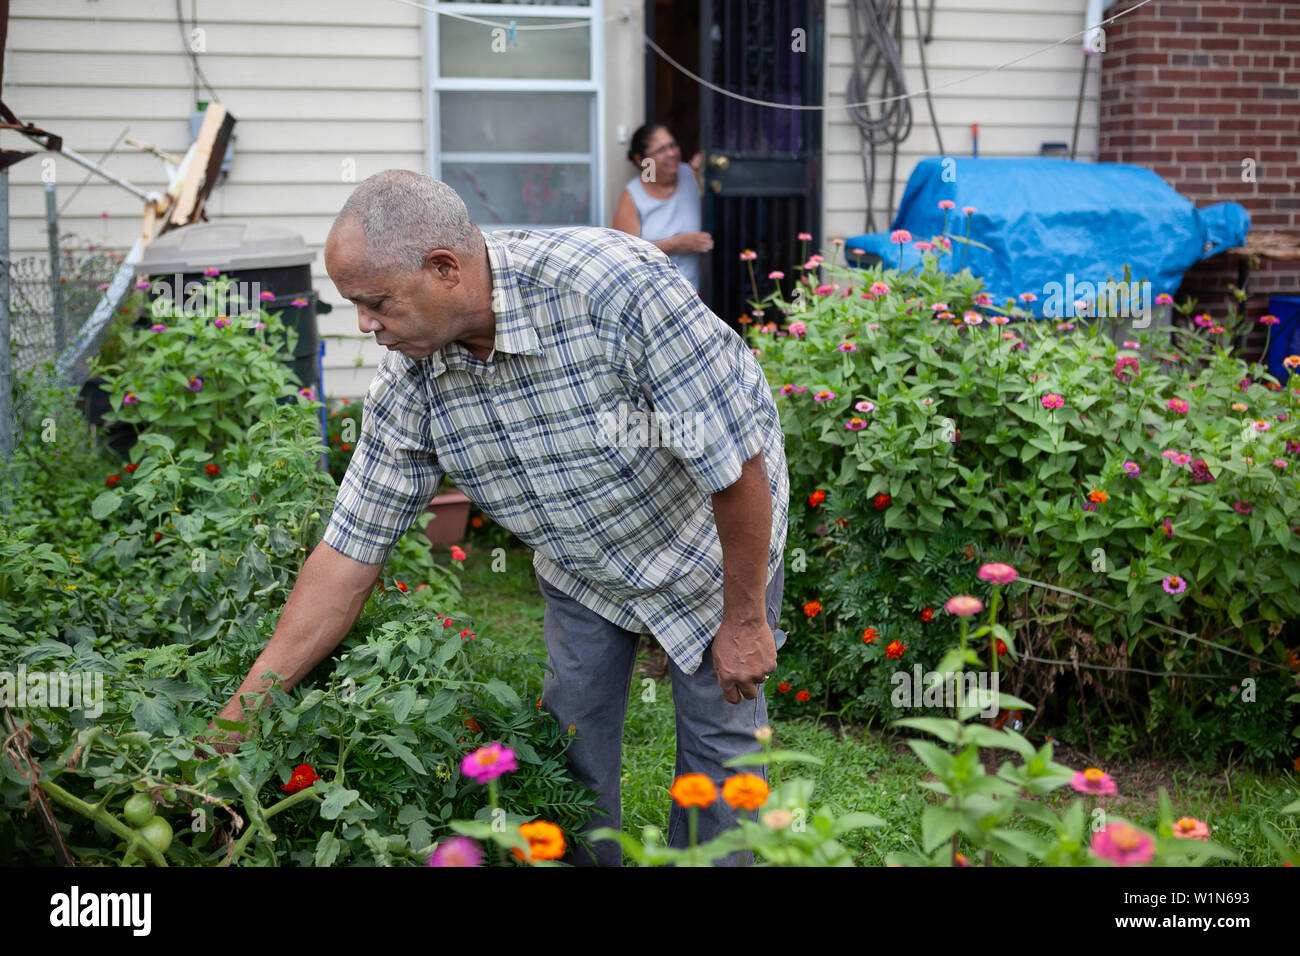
(627, 220)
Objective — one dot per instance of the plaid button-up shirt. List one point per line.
(613, 406)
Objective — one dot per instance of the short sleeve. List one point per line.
(393, 474)
(705, 385)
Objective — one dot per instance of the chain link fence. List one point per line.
(50, 301)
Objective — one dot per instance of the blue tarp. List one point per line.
(1053, 226)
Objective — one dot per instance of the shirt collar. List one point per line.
(515, 333)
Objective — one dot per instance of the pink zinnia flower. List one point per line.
(923, 246)
(776, 274)
(307, 393)
(825, 395)
(879, 288)
(158, 327)
(939, 306)
(855, 424)
(748, 255)
(1131, 468)
(221, 322)
(259, 326)
(1130, 344)
(997, 573)
(824, 290)
(1269, 319)
(1173, 584)
(266, 296)
(211, 271)
(983, 298)
(1190, 828)
(299, 303)
(972, 318)
(805, 237)
(456, 851)
(800, 389)
(1094, 781)
(1169, 453)
(196, 385)
(947, 204)
(864, 406)
(142, 284)
(1176, 405)
(130, 399)
(457, 553)
(810, 264)
(1168, 528)
(488, 763)
(1000, 320)
(1164, 298)
(1028, 297)
(787, 389)
(1052, 400)
(847, 347)
(1123, 845)
(1204, 321)
(1123, 364)
(1242, 507)
(900, 236)
(1182, 458)
(963, 605)
(969, 210)
(797, 329)
(1279, 463)
(1261, 425)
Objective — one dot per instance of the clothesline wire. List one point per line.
(721, 91)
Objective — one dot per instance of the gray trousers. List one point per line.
(592, 661)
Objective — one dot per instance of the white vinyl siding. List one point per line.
(1017, 108)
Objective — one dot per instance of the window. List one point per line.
(516, 115)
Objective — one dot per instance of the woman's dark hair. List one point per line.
(640, 140)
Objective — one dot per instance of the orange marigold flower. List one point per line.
(895, 649)
(816, 498)
(1002, 646)
(783, 687)
(693, 790)
(869, 635)
(745, 791)
(803, 695)
(545, 841)
(1099, 496)
(812, 608)
(303, 776)
(476, 522)
(927, 614)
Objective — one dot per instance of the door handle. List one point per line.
(715, 185)
(719, 162)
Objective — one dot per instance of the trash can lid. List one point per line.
(225, 244)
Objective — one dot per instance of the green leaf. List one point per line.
(939, 824)
(936, 759)
(327, 849)
(503, 692)
(946, 730)
(916, 547)
(105, 504)
(337, 799)
(402, 752)
(403, 701)
(449, 649)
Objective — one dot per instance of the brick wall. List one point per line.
(1192, 89)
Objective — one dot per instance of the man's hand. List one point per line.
(743, 655)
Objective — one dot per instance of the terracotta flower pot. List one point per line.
(450, 517)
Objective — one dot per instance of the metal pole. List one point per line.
(56, 286)
(6, 367)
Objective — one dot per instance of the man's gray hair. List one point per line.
(404, 216)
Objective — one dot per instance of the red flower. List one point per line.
(447, 622)
(803, 695)
(112, 480)
(157, 536)
(783, 687)
(466, 633)
(882, 501)
(457, 554)
(869, 635)
(472, 724)
(400, 586)
(842, 522)
(347, 447)
(812, 608)
(303, 776)
(927, 614)
(817, 497)
(1002, 646)
(130, 469)
(895, 649)
(476, 522)
(212, 469)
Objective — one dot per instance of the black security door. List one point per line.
(762, 165)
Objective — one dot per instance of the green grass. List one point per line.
(862, 770)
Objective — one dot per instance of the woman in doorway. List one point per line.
(661, 206)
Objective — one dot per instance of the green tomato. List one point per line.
(138, 810)
(158, 833)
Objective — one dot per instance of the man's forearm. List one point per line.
(325, 602)
(743, 513)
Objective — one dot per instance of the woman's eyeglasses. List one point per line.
(662, 149)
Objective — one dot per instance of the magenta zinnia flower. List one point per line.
(847, 347)
(1094, 781)
(997, 572)
(488, 763)
(211, 272)
(864, 406)
(825, 395)
(805, 237)
(1164, 298)
(1176, 405)
(266, 296)
(855, 424)
(299, 303)
(787, 389)
(947, 204)
(797, 329)
(1242, 507)
(456, 851)
(1269, 319)
(157, 327)
(1201, 473)
(1052, 400)
(776, 274)
(1131, 468)
(142, 284)
(221, 322)
(1123, 845)
(879, 288)
(196, 385)
(1168, 528)
(972, 318)
(1123, 364)
(1173, 584)
(1182, 458)
(900, 236)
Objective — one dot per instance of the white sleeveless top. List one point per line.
(662, 218)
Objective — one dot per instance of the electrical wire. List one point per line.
(194, 59)
(875, 29)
